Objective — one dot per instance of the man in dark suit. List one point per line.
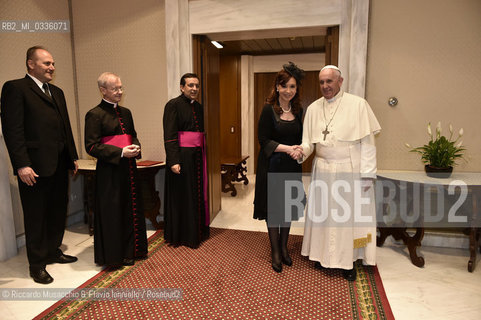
(40, 143)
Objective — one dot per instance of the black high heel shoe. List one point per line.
(276, 264)
(286, 259)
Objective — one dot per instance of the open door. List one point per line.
(230, 107)
(206, 66)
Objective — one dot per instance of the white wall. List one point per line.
(427, 54)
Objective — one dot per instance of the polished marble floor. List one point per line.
(443, 289)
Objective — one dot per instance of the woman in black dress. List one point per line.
(279, 134)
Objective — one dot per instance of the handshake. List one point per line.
(295, 152)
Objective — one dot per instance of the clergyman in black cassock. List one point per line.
(119, 222)
(186, 219)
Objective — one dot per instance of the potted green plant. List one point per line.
(440, 153)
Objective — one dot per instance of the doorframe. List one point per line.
(184, 18)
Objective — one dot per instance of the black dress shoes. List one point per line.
(319, 266)
(128, 262)
(349, 275)
(63, 258)
(41, 276)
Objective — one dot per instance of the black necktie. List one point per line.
(62, 138)
(45, 89)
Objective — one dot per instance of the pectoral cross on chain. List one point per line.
(325, 133)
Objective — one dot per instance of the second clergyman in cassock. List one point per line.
(119, 223)
(186, 214)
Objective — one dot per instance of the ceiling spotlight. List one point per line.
(217, 44)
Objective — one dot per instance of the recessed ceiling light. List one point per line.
(217, 44)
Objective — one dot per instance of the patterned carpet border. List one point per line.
(106, 278)
(229, 276)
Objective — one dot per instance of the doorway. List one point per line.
(224, 84)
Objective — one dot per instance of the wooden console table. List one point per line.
(146, 185)
(473, 184)
(233, 169)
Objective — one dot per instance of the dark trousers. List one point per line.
(45, 211)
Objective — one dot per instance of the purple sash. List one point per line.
(197, 139)
(120, 140)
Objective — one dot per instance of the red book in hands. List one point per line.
(146, 163)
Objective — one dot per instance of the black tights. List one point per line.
(278, 237)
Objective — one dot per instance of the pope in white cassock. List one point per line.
(340, 222)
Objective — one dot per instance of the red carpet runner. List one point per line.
(229, 276)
